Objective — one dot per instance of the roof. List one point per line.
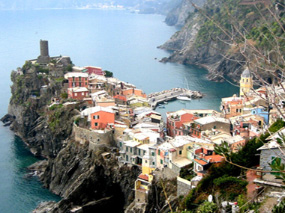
(179, 141)
(246, 73)
(131, 143)
(181, 162)
(157, 117)
(270, 145)
(75, 74)
(232, 140)
(214, 158)
(143, 176)
(211, 119)
(201, 162)
(91, 110)
(141, 136)
(165, 146)
(78, 89)
(144, 146)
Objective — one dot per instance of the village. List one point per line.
(120, 115)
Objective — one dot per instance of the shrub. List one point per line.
(207, 207)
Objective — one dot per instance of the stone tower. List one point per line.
(44, 57)
(246, 83)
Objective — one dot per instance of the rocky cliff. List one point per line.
(212, 37)
(86, 181)
(178, 15)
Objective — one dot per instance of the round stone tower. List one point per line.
(44, 47)
(246, 83)
(44, 56)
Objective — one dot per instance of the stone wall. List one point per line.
(183, 186)
(94, 138)
(266, 157)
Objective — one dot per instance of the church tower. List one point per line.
(246, 83)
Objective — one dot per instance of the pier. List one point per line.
(154, 99)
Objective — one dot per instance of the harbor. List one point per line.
(159, 98)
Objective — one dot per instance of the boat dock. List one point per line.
(154, 99)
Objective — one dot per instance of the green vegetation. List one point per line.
(55, 106)
(207, 207)
(27, 66)
(108, 73)
(69, 67)
(187, 172)
(64, 95)
(59, 80)
(280, 208)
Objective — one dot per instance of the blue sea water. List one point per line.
(120, 41)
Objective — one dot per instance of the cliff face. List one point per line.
(87, 182)
(178, 15)
(42, 129)
(202, 42)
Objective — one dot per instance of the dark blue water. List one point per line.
(122, 42)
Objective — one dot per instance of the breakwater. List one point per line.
(157, 98)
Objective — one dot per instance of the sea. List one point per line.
(116, 40)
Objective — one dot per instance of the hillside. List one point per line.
(212, 36)
(178, 15)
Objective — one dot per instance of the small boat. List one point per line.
(161, 106)
(165, 102)
(183, 98)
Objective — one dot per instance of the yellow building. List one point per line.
(246, 83)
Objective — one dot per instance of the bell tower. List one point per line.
(246, 83)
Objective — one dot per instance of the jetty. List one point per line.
(154, 99)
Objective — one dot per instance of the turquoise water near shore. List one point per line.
(122, 42)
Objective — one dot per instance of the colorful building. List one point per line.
(102, 117)
(77, 79)
(203, 159)
(232, 106)
(94, 70)
(78, 93)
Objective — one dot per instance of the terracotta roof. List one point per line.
(214, 158)
(143, 176)
(201, 162)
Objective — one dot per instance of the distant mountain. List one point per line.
(145, 6)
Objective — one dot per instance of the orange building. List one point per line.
(102, 118)
(176, 120)
(133, 91)
(232, 106)
(77, 79)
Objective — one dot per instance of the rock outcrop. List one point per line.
(181, 12)
(211, 38)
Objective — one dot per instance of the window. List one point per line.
(96, 124)
(159, 151)
(75, 94)
(131, 149)
(79, 78)
(127, 149)
(152, 163)
(143, 152)
(180, 152)
(139, 152)
(145, 161)
(152, 153)
(86, 83)
(214, 127)
(161, 161)
(120, 144)
(95, 116)
(73, 79)
(236, 110)
(127, 158)
(79, 84)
